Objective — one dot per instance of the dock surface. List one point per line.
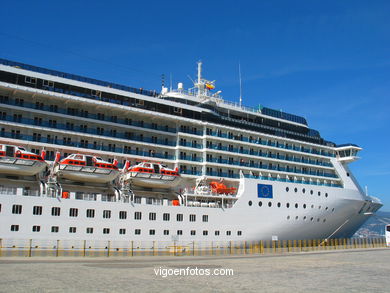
(326, 271)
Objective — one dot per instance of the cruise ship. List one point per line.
(84, 159)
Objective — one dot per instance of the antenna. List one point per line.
(239, 73)
(170, 81)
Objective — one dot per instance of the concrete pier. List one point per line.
(323, 271)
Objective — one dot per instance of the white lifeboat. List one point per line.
(152, 175)
(15, 160)
(85, 168)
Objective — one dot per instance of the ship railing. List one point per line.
(16, 161)
(8, 190)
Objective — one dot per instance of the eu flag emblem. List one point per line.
(264, 191)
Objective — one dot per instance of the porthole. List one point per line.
(270, 204)
(324, 220)
(260, 203)
(326, 194)
(303, 190)
(319, 207)
(250, 203)
(304, 206)
(296, 218)
(312, 206)
(296, 205)
(311, 219)
(288, 217)
(296, 189)
(318, 219)
(326, 208)
(287, 205)
(333, 210)
(304, 218)
(311, 191)
(319, 193)
(279, 204)
(287, 189)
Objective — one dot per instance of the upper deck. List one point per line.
(263, 120)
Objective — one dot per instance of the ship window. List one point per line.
(14, 228)
(166, 217)
(55, 211)
(326, 194)
(29, 79)
(288, 217)
(48, 83)
(319, 193)
(36, 228)
(192, 218)
(311, 191)
(137, 215)
(152, 216)
(122, 215)
(296, 189)
(193, 232)
(303, 190)
(287, 205)
(333, 210)
(250, 203)
(311, 219)
(304, 218)
(304, 206)
(73, 212)
(205, 218)
(72, 229)
(216, 233)
(152, 232)
(228, 233)
(179, 217)
(279, 204)
(137, 232)
(89, 230)
(106, 230)
(54, 229)
(122, 231)
(260, 203)
(17, 209)
(296, 205)
(37, 210)
(239, 233)
(90, 213)
(205, 232)
(106, 214)
(287, 189)
(270, 204)
(166, 232)
(179, 232)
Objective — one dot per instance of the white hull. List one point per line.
(338, 215)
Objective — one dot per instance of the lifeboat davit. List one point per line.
(220, 188)
(15, 160)
(153, 175)
(85, 168)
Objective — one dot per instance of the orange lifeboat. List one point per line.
(15, 160)
(220, 188)
(153, 175)
(86, 168)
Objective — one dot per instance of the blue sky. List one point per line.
(328, 61)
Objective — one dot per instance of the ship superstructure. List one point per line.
(282, 178)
